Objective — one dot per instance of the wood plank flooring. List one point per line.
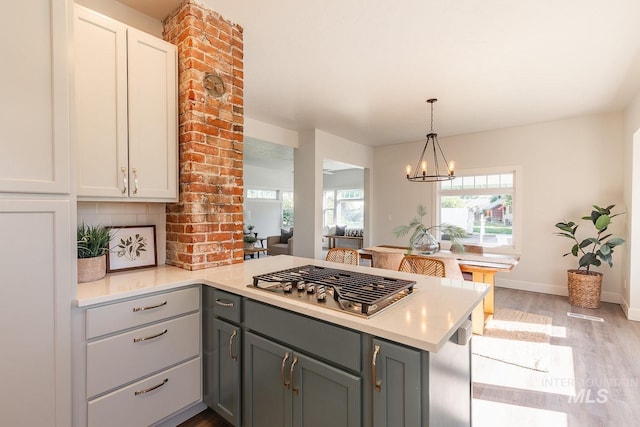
(594, 378)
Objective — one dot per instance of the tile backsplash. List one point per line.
(111, 213)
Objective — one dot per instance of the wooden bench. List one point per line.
(332, 240)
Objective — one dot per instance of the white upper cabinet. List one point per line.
(34, 81)
(126, 98)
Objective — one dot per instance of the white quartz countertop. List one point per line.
(424, 320)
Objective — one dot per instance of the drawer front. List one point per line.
(123, 358)
(226, 305)
(128, 314)
(149, 400)
(338, 345)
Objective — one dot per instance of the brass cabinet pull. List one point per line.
(151, 337)
(282, 375)
(135, 309)
(233, 335)
(135, 180)
(374, 374)
(224, 303)
(139, 392)
(124, 179)
(293, 365)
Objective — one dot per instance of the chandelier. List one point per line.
(432, 166)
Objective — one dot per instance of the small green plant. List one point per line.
(250, 227)
(592, 250)
(93, 240)
(249, 238)
(416, 226)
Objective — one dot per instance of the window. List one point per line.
(287, 209)
(253, 193)
(343, 207)
(482, 203)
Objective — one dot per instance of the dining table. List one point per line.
(479, 267)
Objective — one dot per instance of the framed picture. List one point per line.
(132, 247)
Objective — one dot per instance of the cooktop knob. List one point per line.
(287, 288)
(301, 287)
(311, 288)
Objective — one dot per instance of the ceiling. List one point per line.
(363, 70)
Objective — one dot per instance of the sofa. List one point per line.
(282, 244)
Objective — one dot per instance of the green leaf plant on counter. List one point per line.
(417, 229)
(92, 241)
(592, 251)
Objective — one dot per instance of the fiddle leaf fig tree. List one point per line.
(592, 251)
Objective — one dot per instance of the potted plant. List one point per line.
(585, 285)
(93, 245)
(249, 241)
(422, 241)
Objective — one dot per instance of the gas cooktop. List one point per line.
(352, 292)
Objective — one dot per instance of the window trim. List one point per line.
(518, 214)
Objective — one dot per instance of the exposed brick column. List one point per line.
(204, 229)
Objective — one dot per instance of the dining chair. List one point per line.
(343, 255)
(422, 265)
(386, 259)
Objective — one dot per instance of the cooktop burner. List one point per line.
(354, 292)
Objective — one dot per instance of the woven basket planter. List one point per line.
(91, 269)
(584, 289)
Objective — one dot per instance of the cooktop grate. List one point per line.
(359, 288)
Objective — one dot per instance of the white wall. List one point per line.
(631, 281)
(315, 146)
(265, 215)
(567, 166)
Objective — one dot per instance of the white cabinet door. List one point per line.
(126, 96)
(35, 312)
(101, 105)
(153, 118)
(34, 82)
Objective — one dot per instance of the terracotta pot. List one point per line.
(584, 289)
(91, 269)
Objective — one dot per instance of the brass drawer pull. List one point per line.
(139, 392)
(151, 307)
(282, 374)
(233, 335)
(151, 337)
(224, 303)
(293, 365)
(374, 374)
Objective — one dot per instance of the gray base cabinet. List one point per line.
(222, 350)
(396, 385)
(286, 388)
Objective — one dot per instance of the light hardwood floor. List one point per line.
(594, 379)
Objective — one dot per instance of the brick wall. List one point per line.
(204, 229)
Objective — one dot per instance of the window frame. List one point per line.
(517, 197)
(336, 202)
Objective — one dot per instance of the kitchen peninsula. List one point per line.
(410, 361)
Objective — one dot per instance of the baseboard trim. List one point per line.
(552, 289)
(631, 313)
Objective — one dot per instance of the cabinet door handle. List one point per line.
(282, 375)
(374, 374)
(151, 337)
(150, 307)
(233, 335)
(293, 365)
(124, 180)
(147, 390)
(224, 303)
(135, 180)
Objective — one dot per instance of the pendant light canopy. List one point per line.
(432, 166)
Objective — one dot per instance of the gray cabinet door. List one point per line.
(397, 396)
(267, 397)
(323, 395)
(224, 386)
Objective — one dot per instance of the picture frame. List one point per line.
(132, 247)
